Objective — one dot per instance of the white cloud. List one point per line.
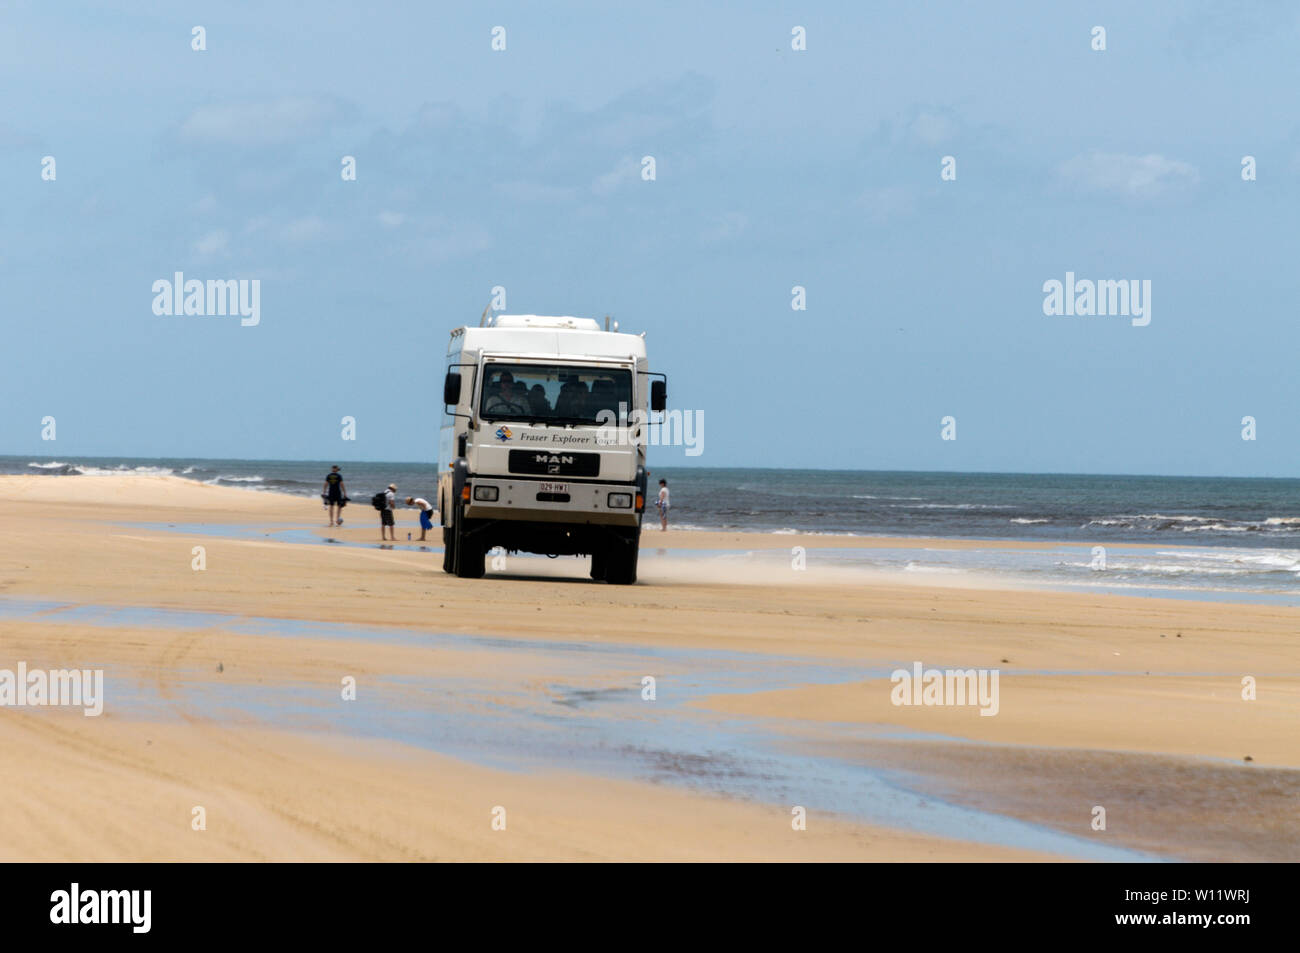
(890, 202)
(434, 238)
(448, 241)
(304, 230)
(212, 244)
(534, 192)
(294, 231)
(624, 131)
(626, 172)
(726, 226)
(931, 128)
(98, 205)
(261, 123)
(1133, 176)
(11, 138)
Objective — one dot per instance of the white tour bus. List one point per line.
(542, 446)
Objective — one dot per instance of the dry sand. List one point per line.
(1120, 689)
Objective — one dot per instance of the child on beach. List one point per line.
(426, 513)
(663, 505)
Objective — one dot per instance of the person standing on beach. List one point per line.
(386, 514)
(335, 495)
(426, 513)
(663, 505)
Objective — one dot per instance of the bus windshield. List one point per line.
(555, 393)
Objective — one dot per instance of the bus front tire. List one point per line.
(470, 553)
(620, 561)
(448, 549)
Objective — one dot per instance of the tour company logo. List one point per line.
(214, 297)
(61, 688)
(1084, 297)
(131, 907)
(504, 434)
(933, 687)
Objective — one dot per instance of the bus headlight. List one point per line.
(620, 501)
(486, 494)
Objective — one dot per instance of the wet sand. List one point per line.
(751, 661)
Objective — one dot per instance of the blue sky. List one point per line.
(775, 168)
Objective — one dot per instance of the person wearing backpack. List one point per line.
(385, 502)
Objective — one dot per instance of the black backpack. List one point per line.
(379, 501)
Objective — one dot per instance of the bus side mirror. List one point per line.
(658, 395)
(451, 388)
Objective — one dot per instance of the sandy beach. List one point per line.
(525, 691)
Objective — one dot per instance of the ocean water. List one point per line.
(1221, 534)
(1066, 507)
(298, 477)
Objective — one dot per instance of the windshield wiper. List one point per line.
(570, 420)
(545, 421)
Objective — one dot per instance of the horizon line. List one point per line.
(823, 469)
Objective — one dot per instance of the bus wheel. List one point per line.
(620, 564)
(469, 553)
(448, 549)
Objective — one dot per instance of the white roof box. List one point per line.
(544, 321)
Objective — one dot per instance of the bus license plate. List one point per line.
(553, 487)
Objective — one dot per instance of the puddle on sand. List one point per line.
(571, 706)
(283, 534)
(1060, 568)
